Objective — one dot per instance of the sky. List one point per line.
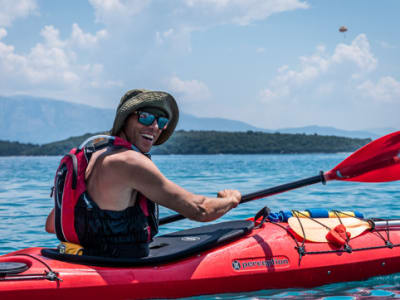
(270, 63)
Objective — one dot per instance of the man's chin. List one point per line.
(145, 146)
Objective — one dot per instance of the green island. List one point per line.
(209, 142)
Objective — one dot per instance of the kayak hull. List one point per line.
(266, 258)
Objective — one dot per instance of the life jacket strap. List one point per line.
(70, 248)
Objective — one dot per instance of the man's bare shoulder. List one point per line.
(131, 168)
(126, 158)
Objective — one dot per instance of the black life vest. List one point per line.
(79, 220)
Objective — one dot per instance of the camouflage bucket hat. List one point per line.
(133, 100)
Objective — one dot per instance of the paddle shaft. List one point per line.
(261, 194)
(283, 188)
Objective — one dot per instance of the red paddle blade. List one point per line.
(378, 161)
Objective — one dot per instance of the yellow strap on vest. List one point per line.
(70, 248)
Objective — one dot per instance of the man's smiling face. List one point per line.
(142, 136)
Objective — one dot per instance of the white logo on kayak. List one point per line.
(190, 238)
(260, 263)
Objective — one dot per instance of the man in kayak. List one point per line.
(118, 218)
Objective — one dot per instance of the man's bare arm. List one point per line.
(144, 176)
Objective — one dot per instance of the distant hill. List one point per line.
(35, 120)
(189, 122)
(211, 142)
(332, 131)
(252, 142)
(381, 131)
(38, 120)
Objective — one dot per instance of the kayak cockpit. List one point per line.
(168, 247)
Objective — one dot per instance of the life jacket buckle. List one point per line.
(61, 248)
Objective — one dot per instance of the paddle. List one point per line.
(315, 229)
(378, 161)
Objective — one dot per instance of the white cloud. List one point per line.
(86, 39)
(387, 89)
(47, 64)
(51, 36)
(307, 73)
(245, 12)
(268, 96)
(312, 68)
(189, 90)
(52, 62)
(110, 11)
(12, 9)
(358, 52)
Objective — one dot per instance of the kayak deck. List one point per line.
(265, 258)
(168, 247)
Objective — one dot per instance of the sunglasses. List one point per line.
(147, 119)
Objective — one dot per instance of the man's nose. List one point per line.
(154, 124)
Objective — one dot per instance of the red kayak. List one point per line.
(228, 257)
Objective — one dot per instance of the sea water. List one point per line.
(25, 184)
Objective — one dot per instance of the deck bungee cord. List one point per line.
(12, 273)
(301, 239)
